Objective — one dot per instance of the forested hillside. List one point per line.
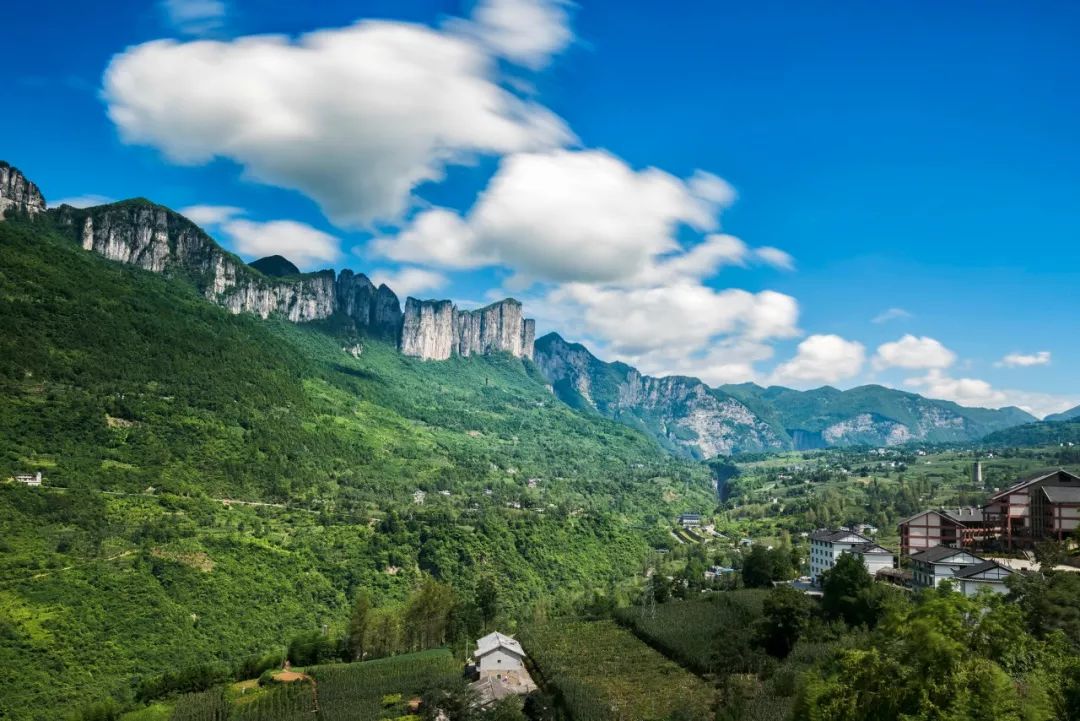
(144, 406)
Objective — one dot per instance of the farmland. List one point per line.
(690, 631)
(601, 671)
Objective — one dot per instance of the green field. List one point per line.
(601, 671)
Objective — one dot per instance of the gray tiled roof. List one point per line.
(1062, 494)
(833, 536)
(939, 553)
(979, 568)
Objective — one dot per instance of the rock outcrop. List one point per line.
(683, 414)
(17, 193)
(437, 330)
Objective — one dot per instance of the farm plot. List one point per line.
(705, 636)
(602, 672)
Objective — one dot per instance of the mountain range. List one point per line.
(686, 416)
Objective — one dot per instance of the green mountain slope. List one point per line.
(1045, 433)
(275, 266)
(1071, 414)
(144, 405)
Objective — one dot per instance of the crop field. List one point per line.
(602, 672)
(693, 632)
(366, 691)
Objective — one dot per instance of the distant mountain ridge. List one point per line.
(1071, 414)
(691, 418)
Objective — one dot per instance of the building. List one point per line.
(29, 479)
(941, 563)
(690, 520)
(873, 556)
(988, 574)
(1035, 508)
(500, 668)
(954, 527)
(826, 547)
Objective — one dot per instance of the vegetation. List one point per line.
(601, 671)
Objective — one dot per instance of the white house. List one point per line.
(501, 657)
(873, 556)
(988, 574)
(826, 547)
(941, 563)
(29, 479)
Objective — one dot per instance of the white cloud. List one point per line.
(913, 352)
(977, 393)
(1024, 360)
(821, 359)
(195, 17)
(775, 257)
(528, 32)
(303, 245)
(81, 201)
(569, 216)
(409, 281)
(355, 117)
(210, 215)
(891, 314)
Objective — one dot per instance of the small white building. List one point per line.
(826, 547)
(501, 657)
(940, 563)
(873, 556)
(988, 574)
(29, 479)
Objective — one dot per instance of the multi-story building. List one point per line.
(954, 527)
(929, 568)
(826, 547)
(1044, 505)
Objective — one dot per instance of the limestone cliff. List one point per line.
(436, 330)
(17, 193)
(684, 414)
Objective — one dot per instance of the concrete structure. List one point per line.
(1035, 508)
(873, 556)
(826, 547)
(933, 566)
(954, 527)
(501, 657)
(29, 479)
(690, 520)
(988, 574)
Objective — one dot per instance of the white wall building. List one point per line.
(500, 657)
(873, 556)
(941, 563)
(29, 479)
(988, 574)
(826, 547)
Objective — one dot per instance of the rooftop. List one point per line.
(496, 640)
(834, 536)
(1062, 494)
(937, 554)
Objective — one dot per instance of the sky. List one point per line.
(796, 193)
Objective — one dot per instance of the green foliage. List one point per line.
(849, 593)
(358, 690)
(601, 671)
(764, 565)
(311, 648)
(787, 614)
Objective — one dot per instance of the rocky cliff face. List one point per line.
(436, 330)
(17, 193)
(684, 414)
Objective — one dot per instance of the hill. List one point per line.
(144, 406)
(690, 418)
(275, 266)
(1071, 414)
(1045, 433)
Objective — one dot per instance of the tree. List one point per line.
(787, 613)
(487, 599)
(844, 591)
(358, 625)
(427, 614)
(757, 570)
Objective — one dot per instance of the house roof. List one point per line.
(980, 568)
(495, 640)
(834, 536)
(490, 690)
(964, 515)
(870, 548)
(1062, 494)
(1033, 478)
(937, 554)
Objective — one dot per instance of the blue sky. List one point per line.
(920, 157)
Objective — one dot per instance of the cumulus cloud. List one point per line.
(575, 216)
(978, 393)
(409, 281)
(305, 246)
(527, 32)
(355, 117)
(821, 359)
(1025, 360)
(195, 17)
(891, 314)
(913, 352)
(775, 257)
(81, 201)
(210, 215)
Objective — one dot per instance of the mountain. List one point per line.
(275, 266)
(1071, 414)
(690, 418)
(1044, 433)
(217, 483)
